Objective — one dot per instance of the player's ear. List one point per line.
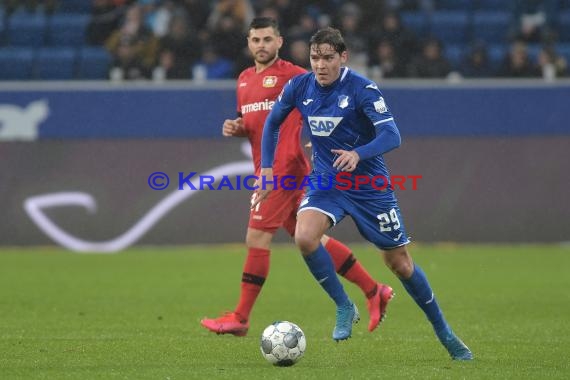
(344, 57)
(279, 42)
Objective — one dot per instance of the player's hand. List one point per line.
(264, 187)
(346, 160)
(232, 127)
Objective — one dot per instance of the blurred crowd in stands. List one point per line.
(201, 39)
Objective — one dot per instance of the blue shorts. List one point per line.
(378, 219)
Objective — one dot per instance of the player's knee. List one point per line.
(258, 239)
(306, 242)
(399, 262)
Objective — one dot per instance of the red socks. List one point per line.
(255, 271)
(348, 267)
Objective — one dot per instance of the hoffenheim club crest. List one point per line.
(343, 101)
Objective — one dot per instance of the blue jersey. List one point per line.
(349, 114)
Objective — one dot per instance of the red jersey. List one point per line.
(256, 94)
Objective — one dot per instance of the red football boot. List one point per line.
(377, 305)
(229, 323)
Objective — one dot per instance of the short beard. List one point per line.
(266, 61)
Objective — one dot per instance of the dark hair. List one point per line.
(264, 22)
(330, 36)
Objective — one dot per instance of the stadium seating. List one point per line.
(36, 45)
(450, 26)
(491, 26)
(93, 63)
(497, 54)
(16, 63)
(417, 22)
(494, 5)
(55, 63)
(67, 29)
(453, 4)
(2, 26)
(26, 29)
(455, 54)
(564, 26)
(75, 6)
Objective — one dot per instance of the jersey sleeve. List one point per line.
(372, 103)
(282, 107)
(374, 106)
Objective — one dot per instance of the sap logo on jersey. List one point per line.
(323, 126)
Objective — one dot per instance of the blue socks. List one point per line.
(322, 267)
(418, 287)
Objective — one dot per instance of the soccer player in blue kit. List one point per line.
(351, 127)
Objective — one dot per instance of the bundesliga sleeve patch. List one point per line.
(380, 106)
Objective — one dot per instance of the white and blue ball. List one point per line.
(283, 343)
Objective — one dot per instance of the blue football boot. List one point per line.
(456, 348)
(345, 316)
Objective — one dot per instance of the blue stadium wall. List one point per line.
(75, 161)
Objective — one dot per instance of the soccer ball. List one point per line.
(283, 343)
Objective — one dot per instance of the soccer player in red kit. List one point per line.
(257, 88)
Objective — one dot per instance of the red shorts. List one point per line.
(279, 209)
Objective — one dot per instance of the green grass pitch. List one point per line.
(135, 315)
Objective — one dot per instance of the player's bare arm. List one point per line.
(233, 128)
(346, 160)
(263, 187)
